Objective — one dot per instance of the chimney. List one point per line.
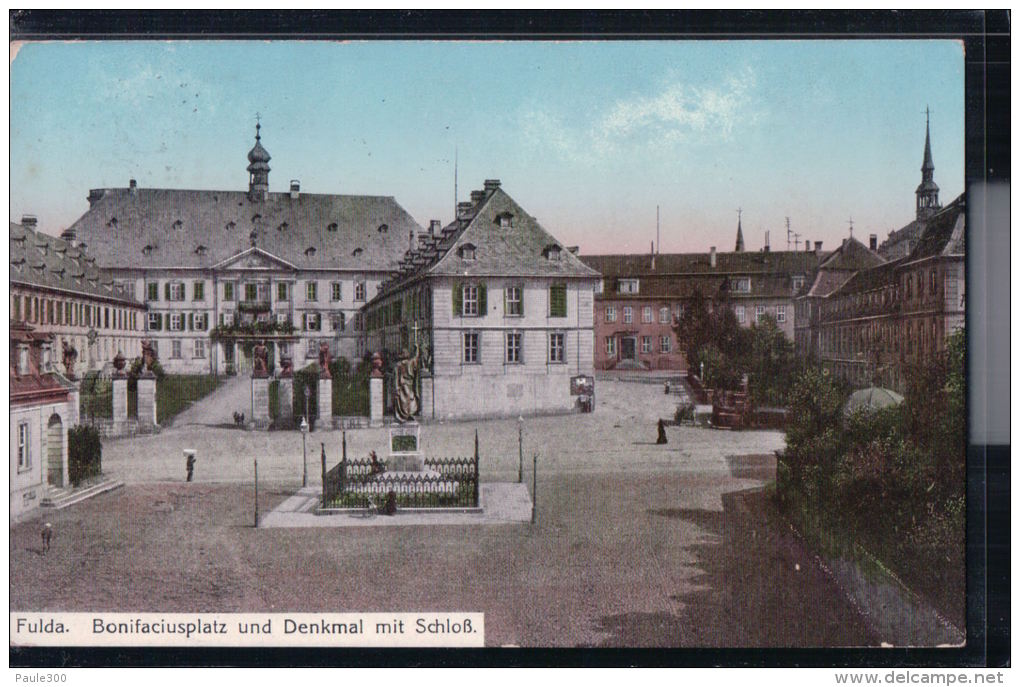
(491, 185)
(133, 187)
(434, 227)
(95, 194)
(711, 257)
(818, 246)
(295, 189)
(873, 242)
(477, 197)
(653, 255)
(807, 246)
(767, 242)
(464, 209)
(69, 235)
(28, 221)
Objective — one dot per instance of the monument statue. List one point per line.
(324, 360)
(405, 378)
(119, 361)
(70, 356)
(148, 354)
(286, 366)
(260, 365)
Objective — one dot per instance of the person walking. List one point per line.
(190, 465)
(661, 439)
(47, 535)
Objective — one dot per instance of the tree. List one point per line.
(770, 364)
(712, 335)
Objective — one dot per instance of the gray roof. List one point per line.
(944, 233)
(164, 228)
(41, 260)
(522, 249)
(734, 263)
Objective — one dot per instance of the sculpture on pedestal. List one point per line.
(69, 357)
(286, 366)
(119, 361)
(324, 360)
(405, 378)
(260, 364)
(149, 356)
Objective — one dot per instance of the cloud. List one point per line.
(678, 113)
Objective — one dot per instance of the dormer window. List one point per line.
(552, 252)
(256, 218)
(83, 246)
(112, 223)
(467, 251)
(741, 285)
(59, 273)
(43, 247)
(283, 226)
(505, 220)
(310, 251)
(333, 226)
(200, 250)
(627, 286)
(178, 224)
(230, 226)
(147, 250)
(383, 228)
(357, 251)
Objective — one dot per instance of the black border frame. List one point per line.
(985, 35)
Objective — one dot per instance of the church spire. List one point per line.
(928, 191)
(258, 166)
(740, 234)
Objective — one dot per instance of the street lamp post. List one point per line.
(304, 452)
(308, 395)
(520, 449)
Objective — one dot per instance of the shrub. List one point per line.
(84, 453)
(306, 377)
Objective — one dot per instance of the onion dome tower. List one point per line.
(258, 168)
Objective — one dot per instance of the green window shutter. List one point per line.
(166, 290)
(482, 305)
(458, 299)
(159, 321)
(557, 300)
(521, 306)
(191, 321)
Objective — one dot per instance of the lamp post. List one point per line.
(304, 451)
(520, 449)
(308, 395)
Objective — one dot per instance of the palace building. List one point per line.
(221, 270)
(501, 312)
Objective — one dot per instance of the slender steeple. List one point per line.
(258, 167)
(740, 234)
(928, 191)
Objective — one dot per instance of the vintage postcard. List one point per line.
(439, 343)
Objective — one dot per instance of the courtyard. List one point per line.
(635, 544)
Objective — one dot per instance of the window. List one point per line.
(611, 345)
(628, 314)
(176, 324)
(646, 344)
(665, 343)
(175, 291)
(282, 293)
(359, 291)
(312, 321)
(24, 447)
(152, 291)
(199, 348)
(646, 314)
(200, 322)
(759, 312)
(678, 311)
(339, 322)
(610, 313)
(627, 286)
(467, 252)
(175, 348)
(558, 300)
(226, 319)
(505, 220)
(470, 347)
(664, 315)
(228, 291)
(155, 321)
(311, 291)
(198, 291)
(513, 347)
(780, 313)
(334, 291)
(514, 306)
(556, 347)
(470, 300)
(741, 285)
(931, 282)
(739, 312)
(798, 284)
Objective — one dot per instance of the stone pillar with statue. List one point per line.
(147, 386)
(286, 392)
(375, 391)
(325, 386)
(120, 391)
(260, 385)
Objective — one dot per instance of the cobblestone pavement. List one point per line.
(633, 545)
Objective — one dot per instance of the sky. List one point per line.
(588, 137)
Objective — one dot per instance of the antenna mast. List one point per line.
(455, 183)
(657, 248)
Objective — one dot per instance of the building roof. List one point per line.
(45, 261)
(479, 243)
(944, 233)
(677, 264)
(870, 279)
(164, 228)
(906, 234)
(840, 265)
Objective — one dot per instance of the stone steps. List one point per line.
(59, 498)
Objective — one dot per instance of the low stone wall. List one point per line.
(108, 429)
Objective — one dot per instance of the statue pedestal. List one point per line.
(405, 449)
(120, 400)
(260, 402)
(375, 401)
(147, 399)
(286, 402)
(326, 402)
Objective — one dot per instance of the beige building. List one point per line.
(501, 310)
